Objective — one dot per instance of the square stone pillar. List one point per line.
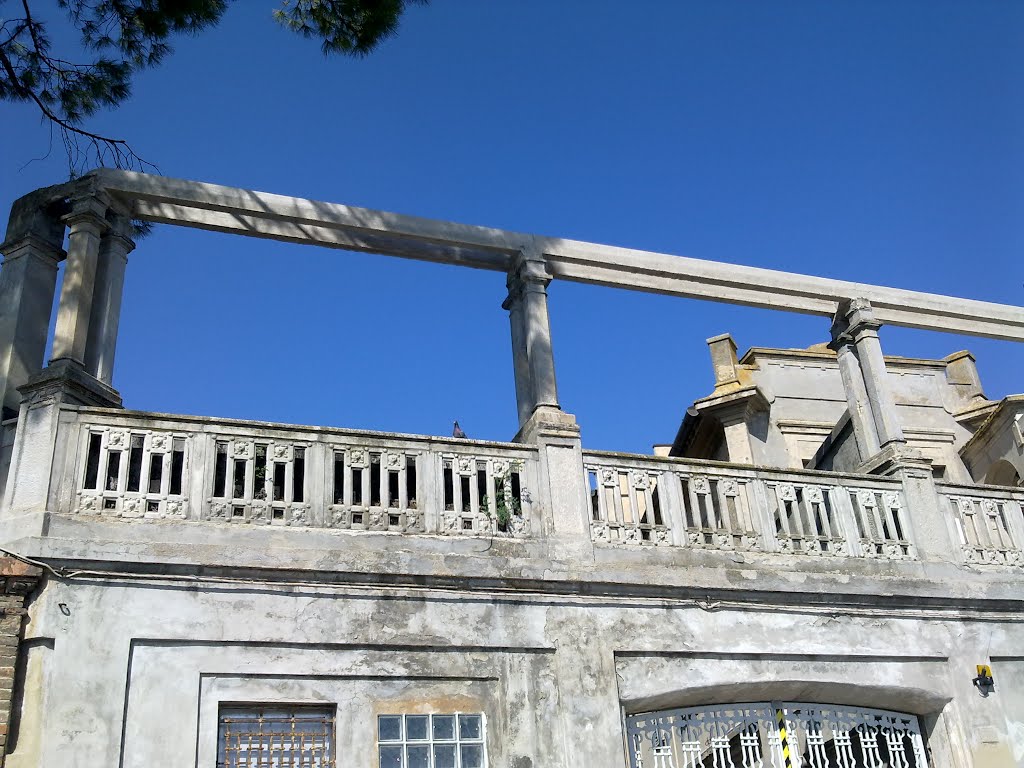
(105, 316)
(28, 279)
(856, 395)
(520, 357)
(87, 222)
(855, 321)
(527, 303)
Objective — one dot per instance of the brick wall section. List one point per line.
(17, 580)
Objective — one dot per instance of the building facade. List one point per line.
(217, 592)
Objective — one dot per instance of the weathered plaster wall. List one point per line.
(137, 670)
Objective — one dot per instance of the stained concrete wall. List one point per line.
(137, 670)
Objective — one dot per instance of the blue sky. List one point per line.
(874, 141)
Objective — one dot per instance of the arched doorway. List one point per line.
(1002, 472)
(775, 734)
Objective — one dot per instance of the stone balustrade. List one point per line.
(152, 468)
(989, 522)
(133, 466)
(706, 505)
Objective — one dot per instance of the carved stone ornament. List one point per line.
(965, 505)
(241, 449)
(219, 511)
(814, 494)
(499, 467)
(339, 518)
(357, 458)
(176, 509)
(87, 503)
(990, 508)
(412, 521)
(394, 461)
(259, 514)
(465, 465)
(866, 499)
(729, 487)
(786, 492)
(599, 532)
(300, 516)
(117, 439)
(519, 525)
(159, 443)
(608, 476)
(639, 479)
(131, 507)
(281, 452)
(892, 500)
(701, 485)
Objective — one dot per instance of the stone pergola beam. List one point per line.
(259, 214)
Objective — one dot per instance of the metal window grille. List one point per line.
(431, 741)
(775, 735)
(273, 737)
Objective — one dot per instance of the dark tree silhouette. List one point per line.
(120, 37)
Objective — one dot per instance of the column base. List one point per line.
(68, 382)
(548, 422)
(894, 457)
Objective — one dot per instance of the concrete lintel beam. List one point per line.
(298, 220)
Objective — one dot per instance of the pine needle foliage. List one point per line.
(120, 37)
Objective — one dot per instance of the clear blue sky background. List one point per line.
(873, 141)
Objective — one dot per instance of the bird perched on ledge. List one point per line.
(457, 430)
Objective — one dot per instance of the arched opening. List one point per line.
(1003, 472)
(775, 734)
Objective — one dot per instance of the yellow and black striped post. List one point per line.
(780, 716)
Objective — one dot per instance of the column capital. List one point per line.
(854, 318)
(119, 234)
(530, 268)
(34, 223)
(32, 244)
(88, 212)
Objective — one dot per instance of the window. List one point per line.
(431, 741)
(275, 736)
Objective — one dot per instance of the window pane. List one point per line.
(416, 727)
(472, 756)
(444, 756)
(389, 728)
(444, 727)
(469, 726)
(390, 757)
(419, 757)
(249, 736)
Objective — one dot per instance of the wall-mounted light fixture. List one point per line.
(984, 682)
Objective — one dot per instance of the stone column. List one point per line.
(520, 358)
(112, 259)
(28, 282)
(87, 223)
(533, 278)
(856, 394)
(862, 327)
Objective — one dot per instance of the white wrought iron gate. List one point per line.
(777, 734)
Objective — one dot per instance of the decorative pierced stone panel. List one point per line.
(483, 496)
(625, 506)
(717, 513)
(984, 528)
(806, 521)
(881, 524)
(374, 490)
(258, 482)
(133, 473)
(775, 735)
